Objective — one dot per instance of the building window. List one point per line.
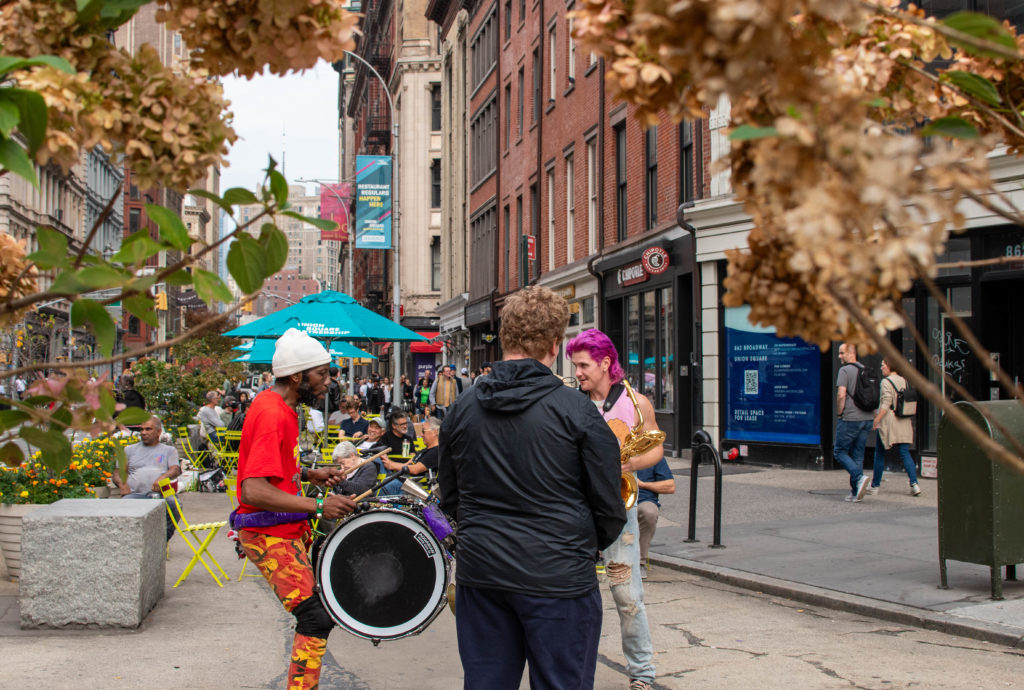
(592, 196)
(435, 264)
(519, 233)
(483, 51)
(508, 19)
(651, 177)
(551, 219)
(552, 63)
(620, 182)
(522, 11)
(687, 188)
(519, 106)
(536, 84)
(435, 107)
(483, 134)
(435, 183)
(571, 42)
(534, 226)
(508, 116)
(508, 232)
(133, 189)
(570, 211)
(592, 60)
(134, 219)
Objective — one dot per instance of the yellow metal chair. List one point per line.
(197, 458)
(198, 536)
(232, 491)
(229, 450)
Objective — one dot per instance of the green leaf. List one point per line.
(133, 415)
(210, 287)
(247, 264)
(142, 307)
(107, 405)
(746, 132)
(53, 249)
(877, 102)
(102, 326)
(67, 283)
(275, 243)
(11, 454)
(9, 63)
(202, 193)
(54, 445)
(179, 278)
(321, 223)
(32, 123)
(979, 26)
(99, 277)
(239, 195)
(951, 127)
(15, 159)
(278, 187)
(974, 85)
(9, 116)
(172, 230)
(137, 248)
(12, 418)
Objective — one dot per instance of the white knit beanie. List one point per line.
(297, 351)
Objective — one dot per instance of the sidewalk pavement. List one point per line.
(789, 533)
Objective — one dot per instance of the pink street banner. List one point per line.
(334, 205)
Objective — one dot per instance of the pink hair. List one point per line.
(598, 346)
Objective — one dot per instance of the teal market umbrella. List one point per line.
(262, 352)
(329, 316)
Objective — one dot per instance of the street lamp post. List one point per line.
(395, 216)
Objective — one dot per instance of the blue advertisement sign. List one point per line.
(772, 384)
(373, 202)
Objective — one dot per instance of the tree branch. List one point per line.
(945, 31)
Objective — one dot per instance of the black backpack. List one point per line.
(905, 404)
(865, 393)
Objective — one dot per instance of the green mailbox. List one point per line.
(981, 502)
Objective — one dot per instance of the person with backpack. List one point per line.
(897, 404)
(856, 402)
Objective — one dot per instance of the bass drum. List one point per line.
(382, 574)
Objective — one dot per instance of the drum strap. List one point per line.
(263, 518)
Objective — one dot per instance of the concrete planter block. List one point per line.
(92, 564)
(10, 536)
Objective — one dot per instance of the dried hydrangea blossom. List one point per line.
(246, 35)
(17, 277)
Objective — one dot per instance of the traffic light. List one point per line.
(247, 307)
(161, 301)
(20, 338)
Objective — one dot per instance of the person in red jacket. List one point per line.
(272, 513)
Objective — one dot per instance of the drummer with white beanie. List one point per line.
(272, 515)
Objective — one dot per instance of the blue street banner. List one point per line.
(373, 202)
(772, 384)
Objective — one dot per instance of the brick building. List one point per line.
(560, 172)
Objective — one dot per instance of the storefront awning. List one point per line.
(426, 348)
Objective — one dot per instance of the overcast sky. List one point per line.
(297, 114)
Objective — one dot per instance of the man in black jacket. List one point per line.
(530, 471)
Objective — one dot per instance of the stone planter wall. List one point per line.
(10, 535)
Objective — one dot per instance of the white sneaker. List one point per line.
(915, 490)
(850, 498)
(862, 486)
(872, 490)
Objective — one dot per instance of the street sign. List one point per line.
(531, 247)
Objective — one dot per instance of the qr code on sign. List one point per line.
(750, 382)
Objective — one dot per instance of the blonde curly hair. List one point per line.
(531, 320)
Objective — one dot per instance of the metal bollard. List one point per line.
(702, 442)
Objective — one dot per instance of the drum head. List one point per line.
(382, 574)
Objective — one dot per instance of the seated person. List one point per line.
(353, 426)
(399, 431)
(356, 482)
(374, 432)
(148, 462)
(427, 458)
(210, 418)
(652, 482)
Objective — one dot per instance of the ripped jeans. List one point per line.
(622, 565)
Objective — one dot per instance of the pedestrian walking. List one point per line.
(853, 424)
(892, 431)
